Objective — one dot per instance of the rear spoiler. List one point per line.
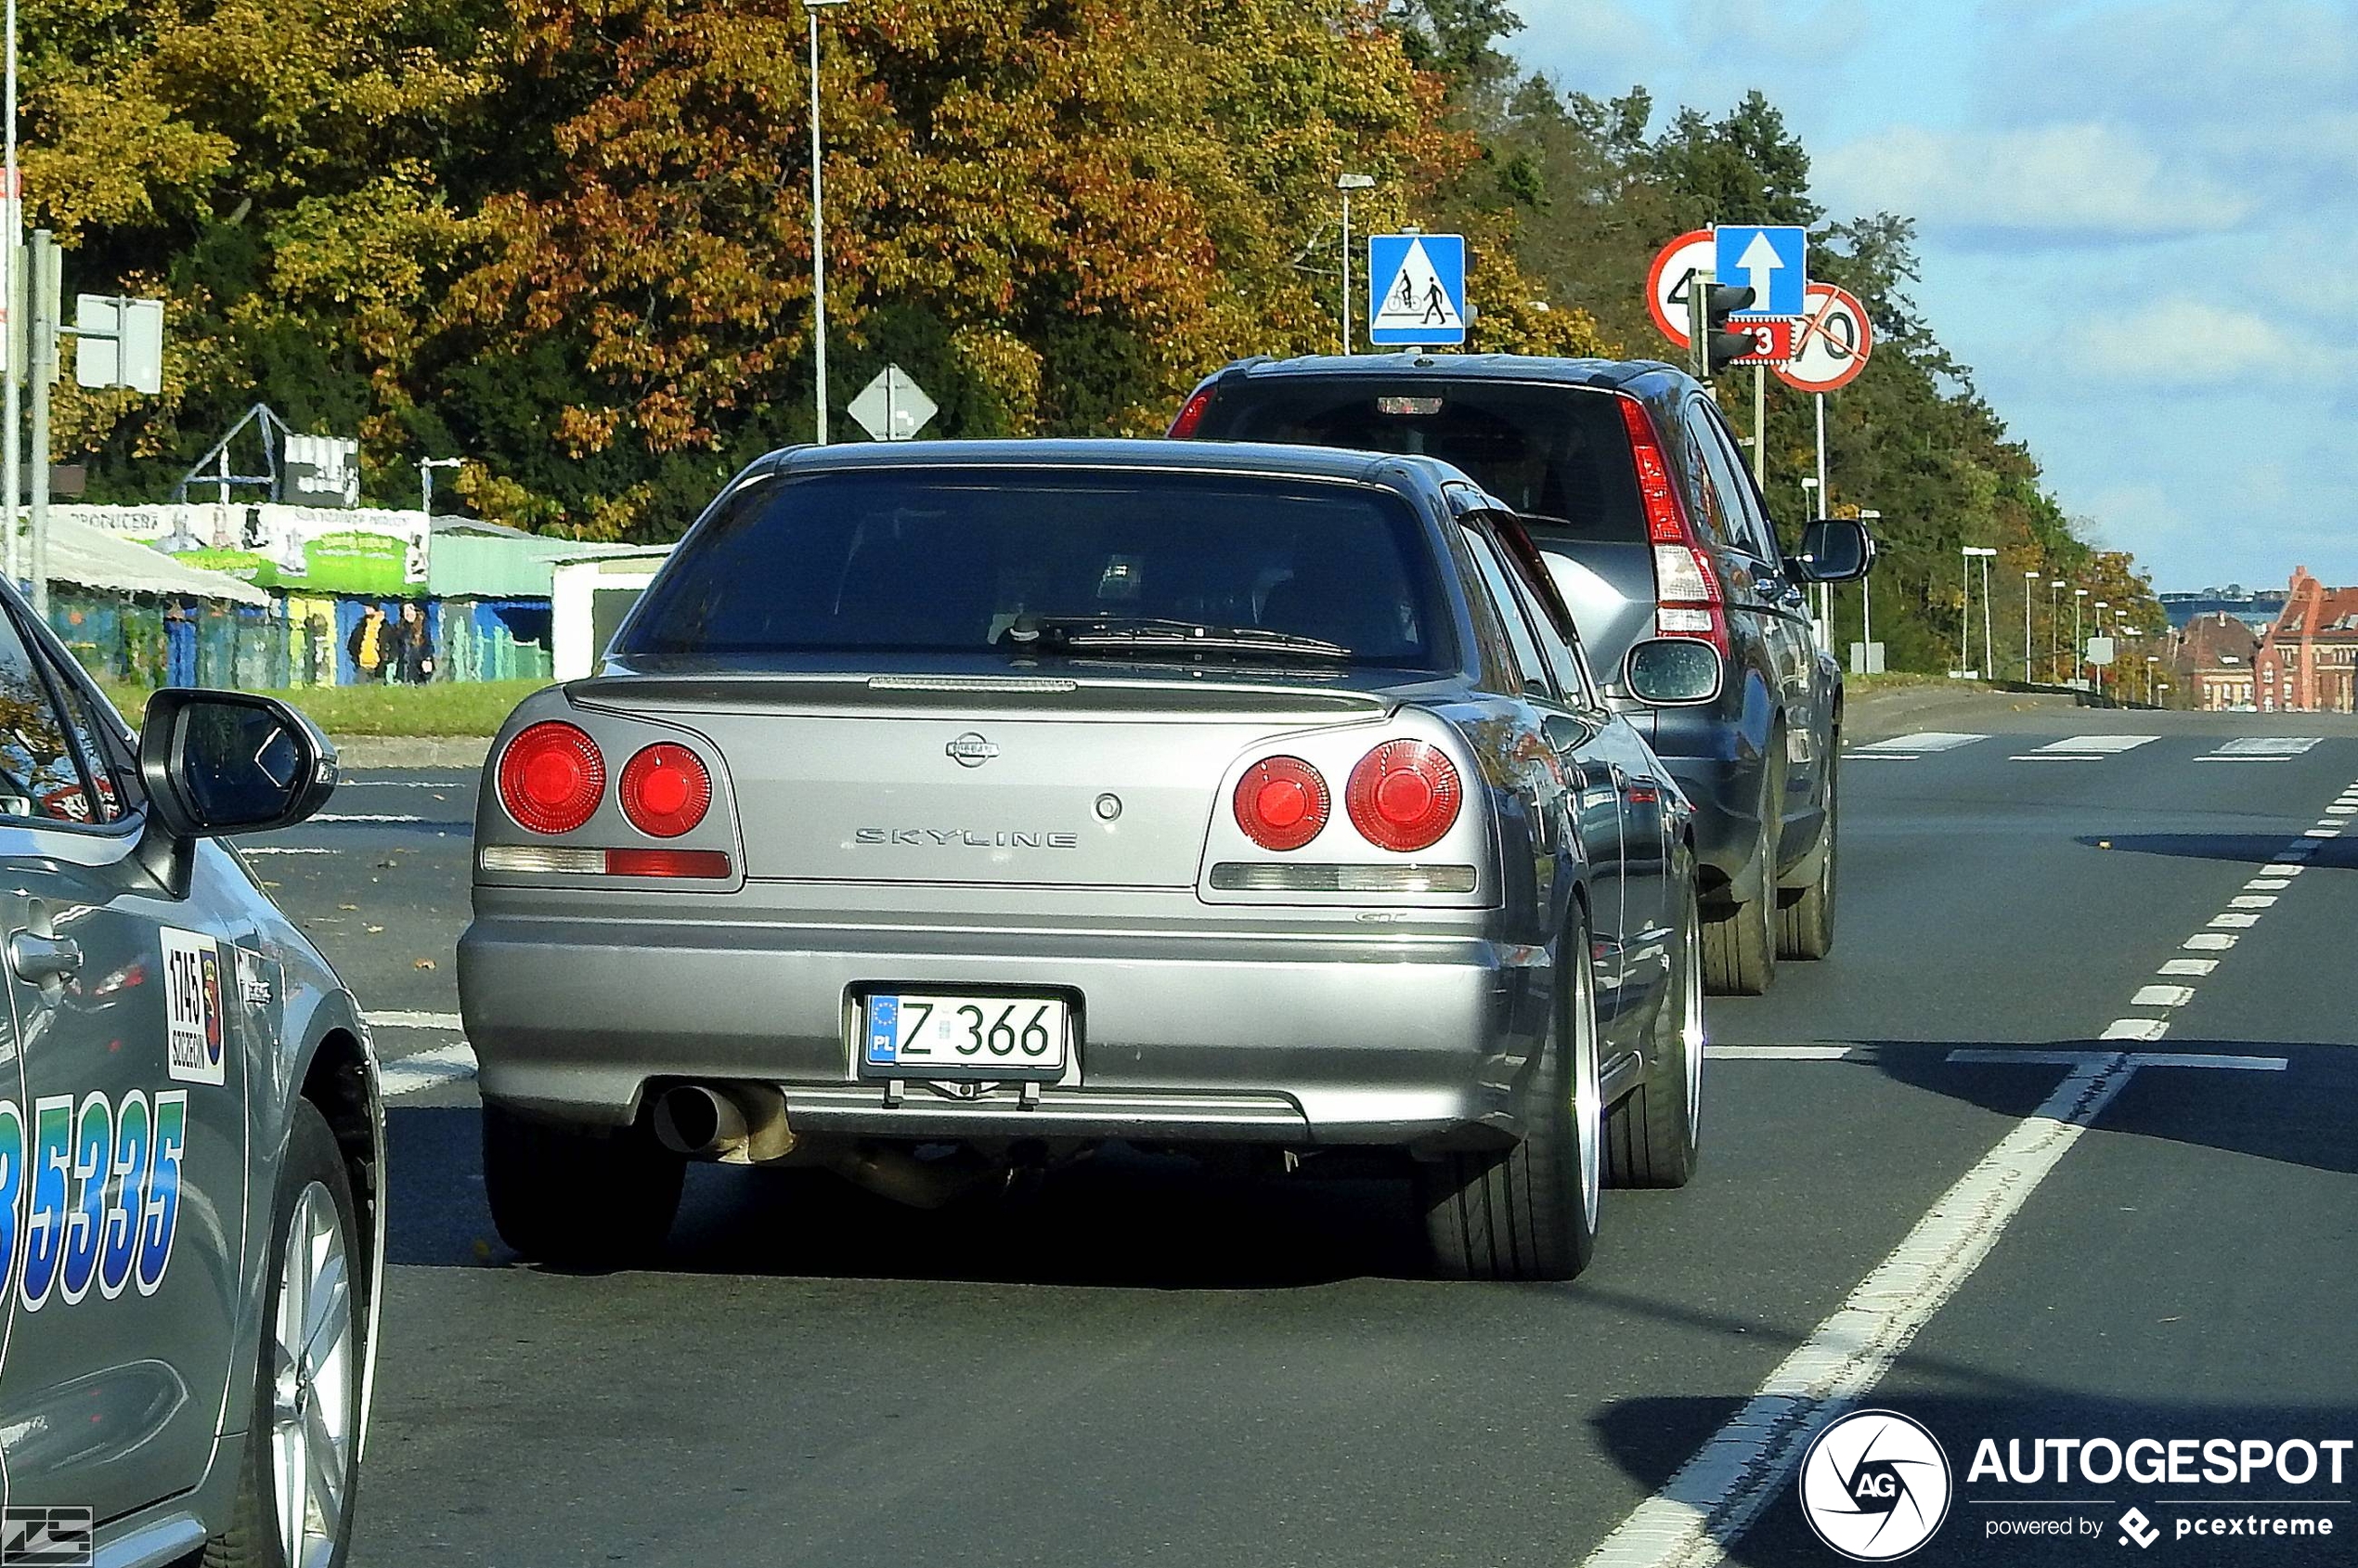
(1047, 694)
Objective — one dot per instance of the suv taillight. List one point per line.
(1687, 597)
(1191, 413)
(1404, 795)
(666, 790)
(551, 777)
(1281, 803)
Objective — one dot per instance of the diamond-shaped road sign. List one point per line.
(892, 408)
(1772, 258)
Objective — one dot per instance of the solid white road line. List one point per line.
(1718, 1492)
(2055, 756)
(415, 1020)
(365, 816)
(1779, 1053)
(279, 849)
(1924, 740)
(1984, 1056)
(427, 1070)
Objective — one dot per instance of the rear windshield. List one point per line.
(1551, 451)
(909, 561)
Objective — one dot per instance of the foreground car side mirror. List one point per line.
(1673, 671)
(216, 763)
(1834, 550)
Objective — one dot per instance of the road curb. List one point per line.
(1875, 716)
(412, 751)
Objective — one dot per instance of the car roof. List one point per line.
(1082, 455)
(1614, 375)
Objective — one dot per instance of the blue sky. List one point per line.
(2138, 221)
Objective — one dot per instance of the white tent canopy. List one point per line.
(95, 558)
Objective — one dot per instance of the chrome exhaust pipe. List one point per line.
(735, 1123)
(700, 1123)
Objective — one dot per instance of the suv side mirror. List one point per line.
(216, 763)
(1673, 671)
(1834, 550)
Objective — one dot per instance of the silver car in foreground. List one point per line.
(947, 810)
(191, 1140)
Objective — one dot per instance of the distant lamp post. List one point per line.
(425, 481)
(1983, 553)
(2029, 591)
(818, 230)
(1347, 184)
(2055, 624)
(2078, 643)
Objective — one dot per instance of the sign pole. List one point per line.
(1346, 271)
(11, 292)
(1760, 426)
(46, 293)
(1698, 325)
(1826, 509)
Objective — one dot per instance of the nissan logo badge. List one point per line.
(970, 750)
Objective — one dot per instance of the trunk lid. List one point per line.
(1074, 781)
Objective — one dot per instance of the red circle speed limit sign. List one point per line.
(1667, 280)
(1830, 343)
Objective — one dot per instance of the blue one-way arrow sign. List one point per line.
(1771, 258)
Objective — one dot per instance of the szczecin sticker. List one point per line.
(193, 1047)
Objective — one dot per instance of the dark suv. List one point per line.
(1631, 484)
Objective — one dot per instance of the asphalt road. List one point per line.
(2130, 1212)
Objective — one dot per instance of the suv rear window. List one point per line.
(944, 561)
(1548, 451)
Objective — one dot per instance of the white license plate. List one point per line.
(925, 1034)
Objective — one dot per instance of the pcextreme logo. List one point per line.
(1875, 1485)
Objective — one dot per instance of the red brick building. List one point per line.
(2216, 659)
(2308, 663)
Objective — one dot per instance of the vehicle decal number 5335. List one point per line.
(89, 1194)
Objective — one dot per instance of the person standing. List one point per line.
(371, 645)
(179, 645)
(413, 645)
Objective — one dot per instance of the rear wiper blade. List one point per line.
(1158, 634)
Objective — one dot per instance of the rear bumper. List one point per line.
(1300, 1040)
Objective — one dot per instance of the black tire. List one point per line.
(1740, 946)
(1652, 1137)
(252, 1539)
(578, 1198)
(1530, 1211)
(1806, 923)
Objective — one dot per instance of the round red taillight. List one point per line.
(551, 777)
(666, 790)
(1281, 803)
(1403, 796)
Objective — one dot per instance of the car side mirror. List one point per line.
(216, 763)
(1834, 550)
(1673, 671)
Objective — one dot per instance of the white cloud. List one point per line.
(2190, 342)
(2076, 182)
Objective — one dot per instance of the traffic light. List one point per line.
(1711, 345)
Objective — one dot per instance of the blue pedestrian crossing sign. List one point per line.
(1772, 259)
(1417, 289)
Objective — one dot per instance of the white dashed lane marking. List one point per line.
(2085, 748)
(426, 1070)
(1911, 747)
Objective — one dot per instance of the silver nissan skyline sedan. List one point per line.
(946, 811)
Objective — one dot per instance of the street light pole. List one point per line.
(1867, 600)
(12, 289)
(2055, 628)
(1347, 184)
(2078, 645)
(2030, 582)
(818, 230)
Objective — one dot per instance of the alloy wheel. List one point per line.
(312, 1371)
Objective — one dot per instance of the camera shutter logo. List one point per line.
(1875, 1485)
